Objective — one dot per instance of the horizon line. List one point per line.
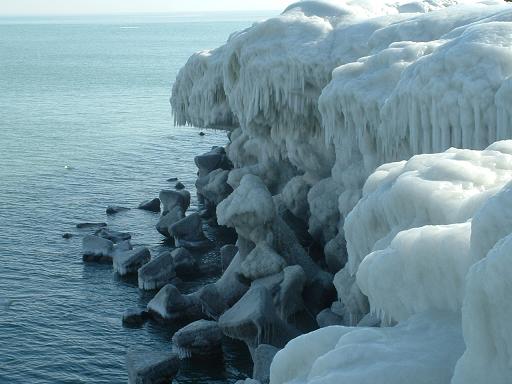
(129, 13)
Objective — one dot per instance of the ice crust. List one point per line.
(347, 114)
(329, 91)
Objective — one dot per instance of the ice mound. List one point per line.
(436, 232)
(422, 350)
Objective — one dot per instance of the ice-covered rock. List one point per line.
(151, 367)
(227, 253)
(170, 305)
(262, 358)
(157, 272)
(214, 186)
(327, 318)
(260, 262)
(168, 219)
(171, 199)
(210, 161)
(130, 261)
(188, 232)
(152, 205)
(200, 338)
(253, 319)
(114, 236)
(97, 249)
(184, 262)
(134, 317)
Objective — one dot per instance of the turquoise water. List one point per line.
(92, 95)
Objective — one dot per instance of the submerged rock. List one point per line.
(172, 179)
(113, 209)
(152, 205)
(179, 185)
(200, 338)
(130, 261)
(91, 225)
(188, 232)
(151, 367)
(135, 317)
(67, 235)
(170, 305)
(157, 272)
(262, 358)
(97, 249)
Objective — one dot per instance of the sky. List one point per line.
(71, 7)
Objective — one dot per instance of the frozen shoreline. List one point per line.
(329, 103)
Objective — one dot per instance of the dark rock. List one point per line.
(152, 205)
(202, 133)
(172, 179)
(67, 235)
(91, 225)
(179, 185)
(151, 367)
(262, 358)
(113, 209)
(135, 317)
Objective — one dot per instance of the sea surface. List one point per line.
(85, 122)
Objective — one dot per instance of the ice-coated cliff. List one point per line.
(344, 119)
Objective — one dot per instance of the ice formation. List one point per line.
(344, 120)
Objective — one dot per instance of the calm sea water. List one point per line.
(91, 94)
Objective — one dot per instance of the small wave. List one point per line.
(126, 27)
